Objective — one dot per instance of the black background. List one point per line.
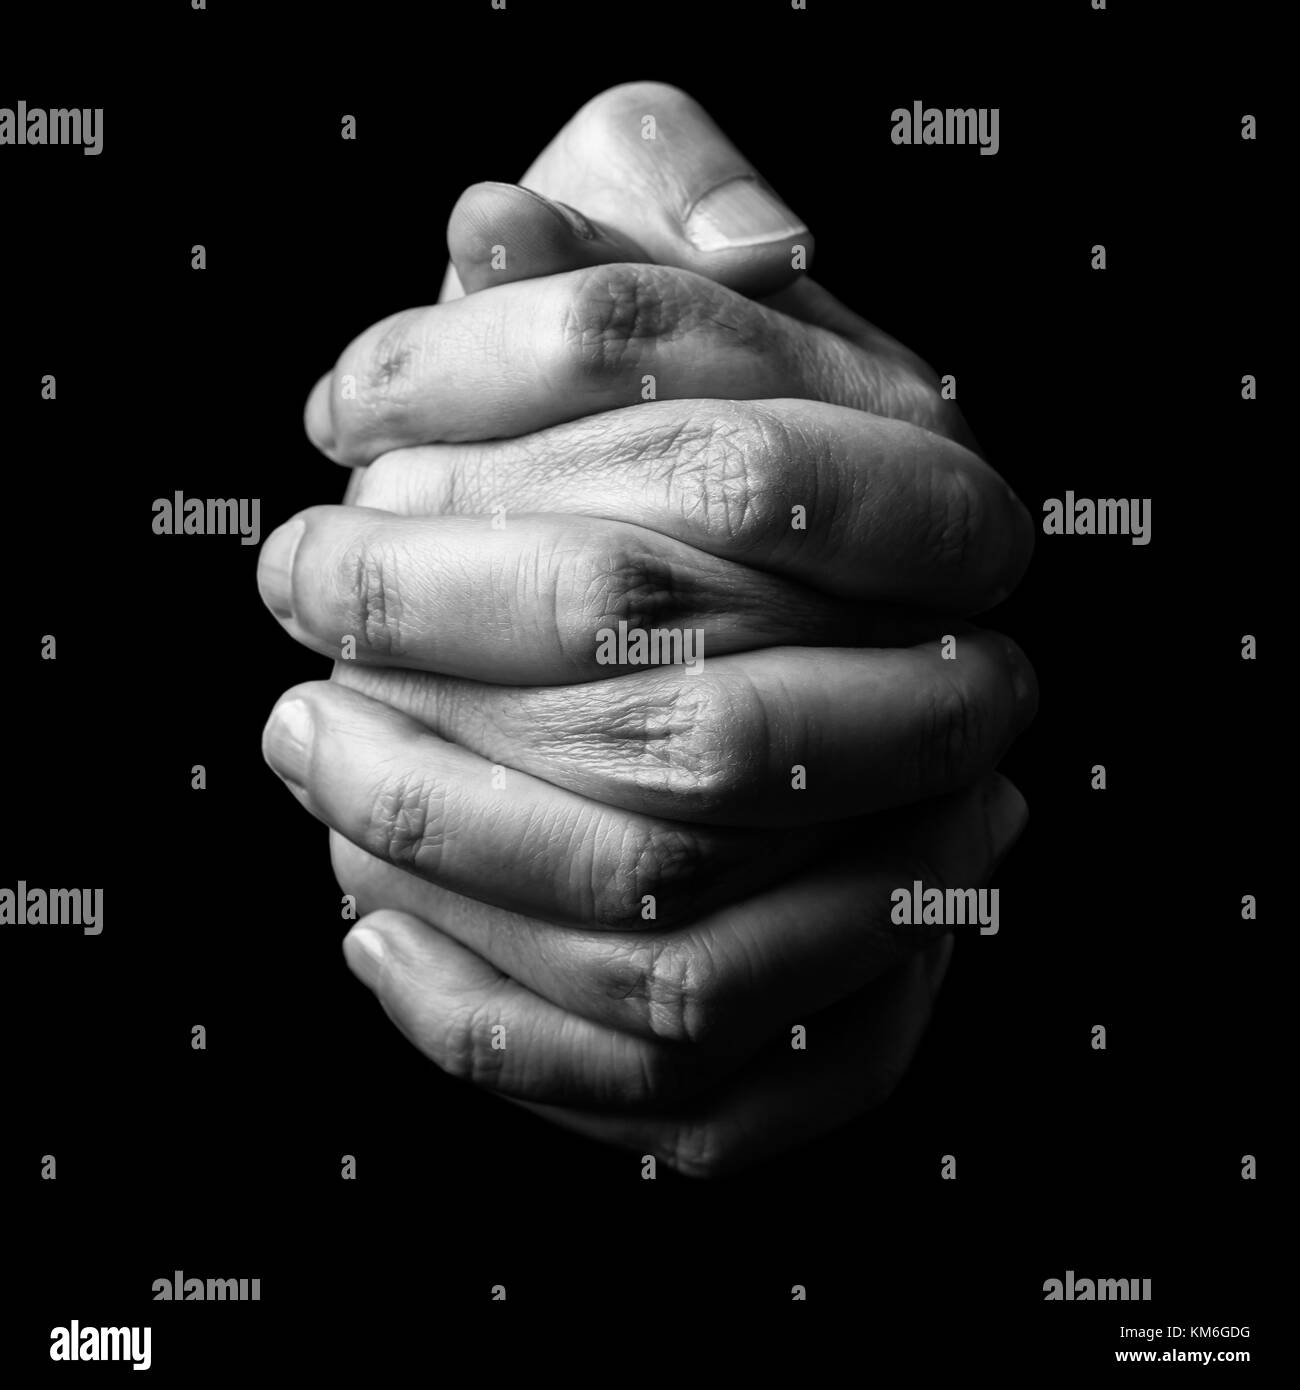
(1119, 907)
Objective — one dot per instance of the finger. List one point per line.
(536, 600)
(478, 1025)
(506, 838)
(783, 736)
(852, 504)
(728, 980)
(519, 357)
(503, 232)
(500, 232)
(647, 162)
(856, 1053)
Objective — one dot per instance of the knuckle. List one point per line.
(672, 981)
(614, 312)
(690, 750)
(952, 734)
(373, 599)
(406, 825)
(693, 750)
(614, 582)
(653, 859)
(373, 380)
(464, 1047)
(389, 367)
(731, 475)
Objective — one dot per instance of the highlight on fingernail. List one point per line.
(287, 740)
(740, 212)
(366, 954)
(275, 567)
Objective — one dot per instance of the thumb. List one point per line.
(648, 164)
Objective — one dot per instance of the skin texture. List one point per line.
(519, 357)
(717, 748)
(888, 512)
(613, 864)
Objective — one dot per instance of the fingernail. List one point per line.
(286, 742)
(740, 212)
(275, 567)
(577, 222)
(1006, 813)
(366, 955)
(1023, 685)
